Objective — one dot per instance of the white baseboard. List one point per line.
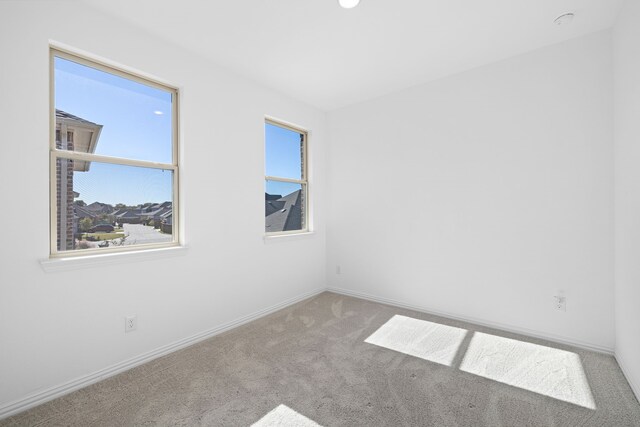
(51, 393)
(495, 325)
(635, 387)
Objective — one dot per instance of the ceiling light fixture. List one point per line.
(564, 19)
(348, 4)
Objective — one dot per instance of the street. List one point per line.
(141, 234)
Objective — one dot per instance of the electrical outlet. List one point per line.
(130, 323)
(561, 302)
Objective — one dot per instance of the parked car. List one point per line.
(101, 228)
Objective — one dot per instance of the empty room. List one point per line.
(320, 213)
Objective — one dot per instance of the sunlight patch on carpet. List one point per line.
(427, 340)
(284, 416)
(545, 370)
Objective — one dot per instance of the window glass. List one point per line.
(286, 195)
(113, 172)
(284, 206)
(284, 152)
(135, 119)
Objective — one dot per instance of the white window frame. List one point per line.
(304, 181)
(72, 155)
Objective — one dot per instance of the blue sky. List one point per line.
(136, 123)
(282, 156)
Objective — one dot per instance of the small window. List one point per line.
(286, 185)
(114, 165)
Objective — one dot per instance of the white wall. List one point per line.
(627, 193)
(55, 327)
(479, 195)
(482, 194)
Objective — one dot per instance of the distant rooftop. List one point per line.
(283, 214)
(64, 115)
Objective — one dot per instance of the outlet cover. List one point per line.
(130, 323)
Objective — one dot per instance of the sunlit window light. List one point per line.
(427, 340)
(284, 416)
(545, 370)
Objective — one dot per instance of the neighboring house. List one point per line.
(74, 134)
(100, 208)
(95, 211)
(283, 213)
(166, 223)
(151, 208)
(142, 215)
(82, 212)
(156, 206)
(129, 216)
(156, 215)
(79, 213)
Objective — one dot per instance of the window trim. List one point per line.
(54, 154)
(304, 182)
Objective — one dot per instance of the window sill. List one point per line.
(76, 263)
(273, 238)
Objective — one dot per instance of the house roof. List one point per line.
(85, 136)
(285, 213)
(129, 214)
(83, 212)
(272, 206)
(157, 208)
(157, 213)
(167, 219)
(64, 115)
(99, 207)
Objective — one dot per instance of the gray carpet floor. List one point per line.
(339, 361)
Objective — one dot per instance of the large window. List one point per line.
(114, 159)
(286, 195)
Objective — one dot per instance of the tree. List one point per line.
(85, 224)
(80, 203)
(120, 205)
(105, 218)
